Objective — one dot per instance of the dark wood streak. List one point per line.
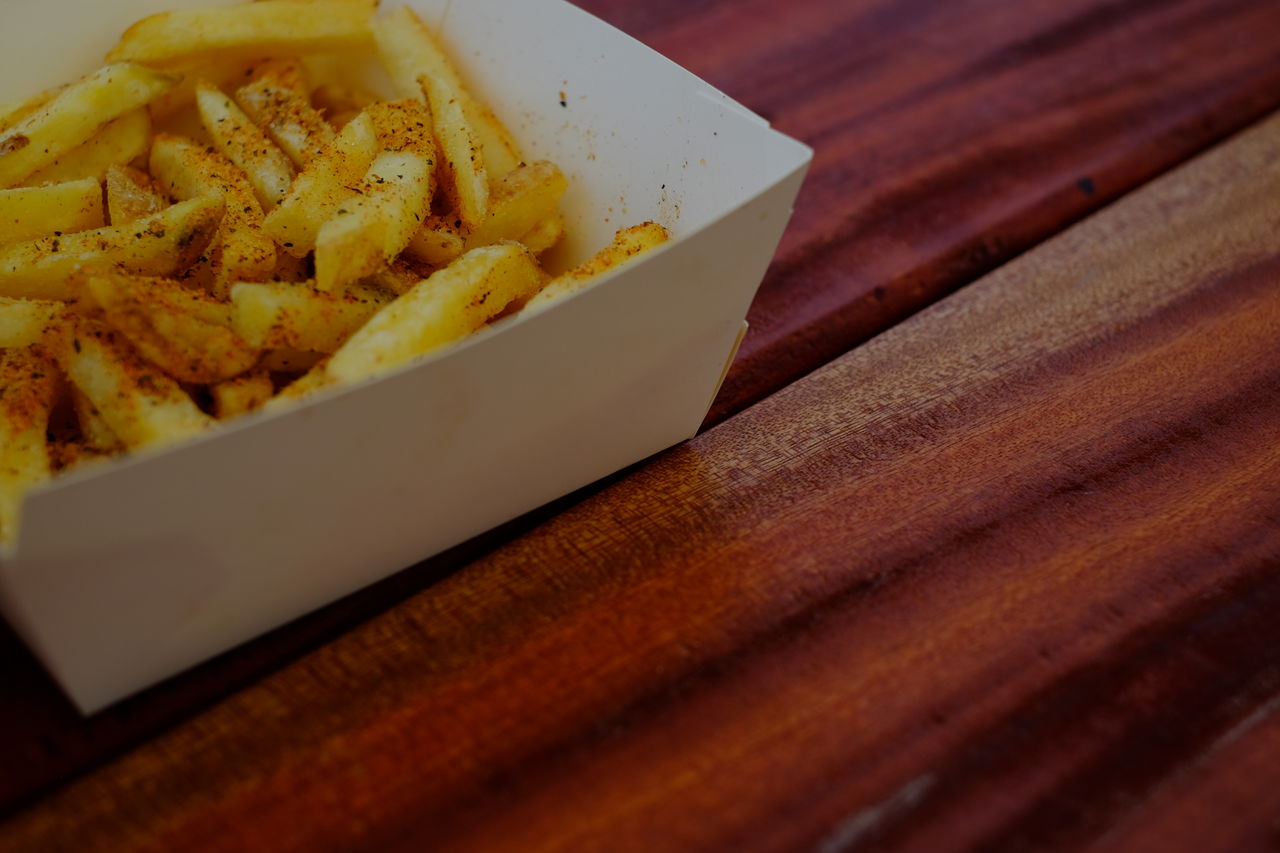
(1001, 576)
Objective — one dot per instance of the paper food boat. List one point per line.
(128, 574)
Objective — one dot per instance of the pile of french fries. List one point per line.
(211, 224)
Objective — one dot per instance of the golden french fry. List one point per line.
(322, 187)
(175, 329)
(118, 143)
(277, 100)
(244, 144)
(544, 235)
(139, 403)
(241, 395)
(131, 195)
(161, 244)
(437, 242)
(29, 388)
(628, 244)
(74, 115)
(23, 321)
(408, 52)
(467, 177)
(449, 305)
(526, 196)
(272, 27)
(369, 230)
(93, 429)
(301, 318)
(15, 111)
(31, 212)
(288, 360)
(397, 278)
(242, 251)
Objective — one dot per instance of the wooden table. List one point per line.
(1005, 576)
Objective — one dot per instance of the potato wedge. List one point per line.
(241, 251)
(253, 29)
(322, 187)
(31, 212)
(118, 143)
(180, 331)
(24, 321)
(132, 195)
(245, 144)
(369, 230)
(299, 317)
(449, 305)
(74, 115)
(137, 402)
(29, 388)
(277, 100)
(157, 245)
(409, 51)
(241, 395)
(628, 244)
(526, 196)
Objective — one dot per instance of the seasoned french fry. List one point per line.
(437, 242)
(526, 196)
(322, 187)
(244, 144)
(117, 143)
(29, 387)
(468, 179)
(32, 212)
(277, 100)
(398, 277)
(449, 305)
(93, 429)
(544, 235)
(628, 244)
(131, 195)
(241, 395)
(271, 27)
(299, 317)
(158, 245)
(409, 51)
(140, 404)
(176, 329)
(15, 111)
(375, 225)
(74, 115)
(242, 251)
(287, 360)
(23, 321)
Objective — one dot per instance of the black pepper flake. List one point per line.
(75, 342)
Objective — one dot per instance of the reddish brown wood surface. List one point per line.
(1004, 578)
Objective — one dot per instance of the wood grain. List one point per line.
(1005, 576)
(950, 135)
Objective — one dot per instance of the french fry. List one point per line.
(31, 212)
(398, 277)
(409, 51)
(23, 321)
(180, 331)
(468, 179)
(74, 115)
(272, 27)
(332, 98)
(288, 360)
(301, 318)
(544, 235)
(241, 251)
(437, 242)
(15, 111)
(314, 380)
(449, 305)
(131, 195)
(29, 387)
(628, 244)
(322, 187)
(119, 142)
(161, 244)
(140, 404)
(93, 429)
(244, 144)
(277, 100)
(376, 224)
(241, 395)
(526, 196)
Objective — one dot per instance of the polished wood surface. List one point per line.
(1002, 577)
